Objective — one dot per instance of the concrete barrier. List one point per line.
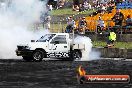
(120, 37)
(114, 52)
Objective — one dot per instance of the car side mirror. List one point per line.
(56, 42)
(32, 40)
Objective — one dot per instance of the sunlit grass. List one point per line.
(68, 11)
(127, 45)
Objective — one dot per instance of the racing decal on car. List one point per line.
(59, 54)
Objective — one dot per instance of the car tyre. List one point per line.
(76, 55)
(38, 55)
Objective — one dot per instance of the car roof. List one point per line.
(59, 33)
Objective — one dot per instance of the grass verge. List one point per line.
(127, 45)
(68, 11)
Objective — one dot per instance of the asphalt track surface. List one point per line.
(59, 74)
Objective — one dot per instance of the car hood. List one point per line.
(34, 45)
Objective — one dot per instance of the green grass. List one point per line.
(54, 28)
(57, 27)
(127, 45)
(68, 11)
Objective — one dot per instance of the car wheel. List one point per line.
(77, 55)
(38, 55)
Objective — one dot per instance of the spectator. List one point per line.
(129, 21)
(89, 6)
(81, 8)
(103, 9)
(128, 25)
(110, 7)
(50, 7)
(86, 5)
(55, 4)
(82, 24)
(111, 38)
(70, 25)
(118, 1)
(118, 18)
(75, 8)
(61, 3)
(100, 25)
(47, 22)
(50, 2)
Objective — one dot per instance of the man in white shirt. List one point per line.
(100, 25)
(70, 24)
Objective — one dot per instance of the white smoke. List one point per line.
(16, 18)
(87, 54)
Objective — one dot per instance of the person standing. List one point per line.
(82, 25)
(55, 4)
(70, 25)
(118, 19)
(100, 25)
(129, 21)
(111, 38)
(47, 22)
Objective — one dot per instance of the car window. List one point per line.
(46, 37)
(61, 39)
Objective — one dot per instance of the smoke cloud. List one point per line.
(16, 19)
(87, 54)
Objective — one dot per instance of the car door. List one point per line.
(59, 45)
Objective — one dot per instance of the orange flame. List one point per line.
(81, 71)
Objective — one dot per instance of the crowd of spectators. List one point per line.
(55, 4)
(81, 5)
(99, 7)
(105, 6)
(118, 19)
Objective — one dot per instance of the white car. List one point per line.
(55, 45)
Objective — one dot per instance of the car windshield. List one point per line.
(46, 37)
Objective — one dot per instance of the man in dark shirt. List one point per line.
(128, 25)
(118, 18)
(82, 24)
(129, 21)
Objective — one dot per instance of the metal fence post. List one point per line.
(52, 26)
(62, 26)
(121, 30)
(96, 23)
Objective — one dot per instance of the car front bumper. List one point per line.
(24, 52)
